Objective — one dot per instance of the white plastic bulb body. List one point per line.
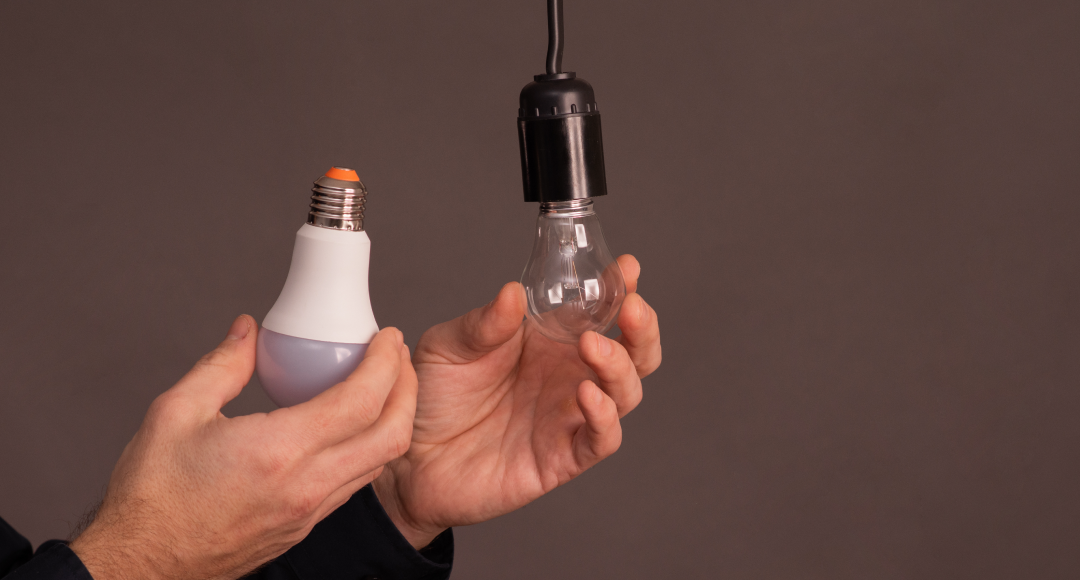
(572, 282)
(319, 329)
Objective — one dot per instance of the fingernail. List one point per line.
(239, 329)
(603, 345)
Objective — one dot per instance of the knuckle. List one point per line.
(649, 313)
(366, 408)
(612, 447)
(302, 504)
(396, 439)
(607, 446)
(626, 360)
(324, 421)
(159, 408)
(213, 359)
(168, 407)
(273, 465)
(400, 438)
(276, 462)
(650, 365)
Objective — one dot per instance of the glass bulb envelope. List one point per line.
(572, 282)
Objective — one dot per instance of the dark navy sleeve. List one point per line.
(359, 541)
(356, 542)
(53, 560)
(15, 550)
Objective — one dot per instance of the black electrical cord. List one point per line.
(555, 37)
(562, 152)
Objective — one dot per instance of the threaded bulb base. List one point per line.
(338, 208)
(571, 208)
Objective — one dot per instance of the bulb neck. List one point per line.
(338, 205)
(565, 209)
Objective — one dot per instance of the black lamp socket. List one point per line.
(562, 153)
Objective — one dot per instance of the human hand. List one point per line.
(505, 415)
(197, 495)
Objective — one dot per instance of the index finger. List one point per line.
(388, 438)
(351, 406)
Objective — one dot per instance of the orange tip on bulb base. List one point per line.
(342, 174)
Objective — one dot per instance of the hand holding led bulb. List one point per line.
(202, 496)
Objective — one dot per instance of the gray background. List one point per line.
(857, 221)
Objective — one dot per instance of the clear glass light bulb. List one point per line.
(319, 329)
(572, 282)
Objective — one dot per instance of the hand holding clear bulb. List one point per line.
(505, 416)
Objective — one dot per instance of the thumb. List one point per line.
(479, 332)
(220, 375)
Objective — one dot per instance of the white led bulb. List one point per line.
(317, 332)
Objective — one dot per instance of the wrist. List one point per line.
(109, 557)
(386, 490)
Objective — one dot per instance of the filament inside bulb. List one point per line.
(573, 291)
